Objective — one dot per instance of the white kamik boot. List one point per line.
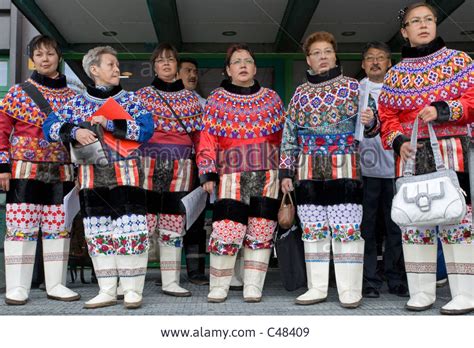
(317, 272)
(19, 263)
(255, 270)
(221, 270)
(170, 265)
(460, 266)
(420, 265)
(132, 272)
(106, 271)
(349, 267)
(237, 282)
(55, 256)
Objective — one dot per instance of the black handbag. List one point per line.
(93, 153)
(290, 254)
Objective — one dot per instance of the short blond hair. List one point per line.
(93, 57)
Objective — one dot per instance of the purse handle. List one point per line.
(284, 199)
(410, 163)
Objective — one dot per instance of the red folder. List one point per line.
(113, 111)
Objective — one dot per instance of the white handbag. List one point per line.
(429, 199)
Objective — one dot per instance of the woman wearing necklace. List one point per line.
(239, 150)
(36, 175)
(167, 161)
(435, 84)
(112, 201)
(319, 154)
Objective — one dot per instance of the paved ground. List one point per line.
(276, 301)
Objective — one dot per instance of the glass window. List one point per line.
(3, 73)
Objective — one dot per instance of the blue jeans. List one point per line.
(441, 272)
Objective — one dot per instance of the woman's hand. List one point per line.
(406, 151)
(85, 136)
(428, 114)
(99, 120)
(5, 181)
(287, 185)
(209, 186)
(367, 117)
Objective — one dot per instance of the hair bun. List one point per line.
(401, 15)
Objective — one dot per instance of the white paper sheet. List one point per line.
(363, 105)
(194, 203)
(72, 207)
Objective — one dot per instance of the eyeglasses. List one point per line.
(246, 61)
(165, 60)
(417, 21)
(371, 59)
(319, 54)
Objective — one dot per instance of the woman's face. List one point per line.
(107, 73)
(420, 26)
(46, 61)
(321, 57)
(241, 68)
(166, 66)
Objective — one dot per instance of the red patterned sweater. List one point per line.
(170, 141)
(21, 119)
(242, 131)
(429, 75)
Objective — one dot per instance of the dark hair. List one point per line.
(42, 40)
(379, 45)
(403, 13)
(319, 36)
(162, 48)
(188, 60)
(237, 47)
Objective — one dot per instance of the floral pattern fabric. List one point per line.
(227, 237)
(260, 233)
(418, 235)
(341, 221)
(458, 234)
(449, 234)
(127, 235)
(24, 220)
(99, 232)
(171, 230)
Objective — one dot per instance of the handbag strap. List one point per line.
(172, 111)
(410, 163)
(37, 97)
(284, 199)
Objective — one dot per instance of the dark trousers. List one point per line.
(195, 246)
(378, 193)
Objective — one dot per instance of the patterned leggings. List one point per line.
(166, 182)
(113, 207)
(35, 200)
(25, 219)
(329, 208)
(245, 213)
(342, 221)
